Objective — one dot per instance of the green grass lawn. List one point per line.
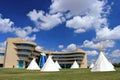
(64, 74)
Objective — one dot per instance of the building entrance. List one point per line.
(20, 64)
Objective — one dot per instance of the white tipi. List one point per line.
(75, 65)
(33, 65)
(49, 66)
(91, 65)
(102, 64)
(57, 64)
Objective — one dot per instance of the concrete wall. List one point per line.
(11, 54)
(84, 62)
(1, 59)
(12, 58)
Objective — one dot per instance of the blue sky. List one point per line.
(64, 25)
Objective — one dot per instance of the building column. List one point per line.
(84, 62)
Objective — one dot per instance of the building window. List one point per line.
(25, 45)
(2, 54)
(23, 50)
(22, 55)
(1, 65)
(36, 53)
(20, 64)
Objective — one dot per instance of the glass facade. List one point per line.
(67, 59)
(72, 54)
(2, 54)
(25, 54)
(23, 50)
(22, 55)
(20, 64)
(25, 45)
(37, 53)
(30, 58)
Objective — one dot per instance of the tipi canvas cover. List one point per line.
(75, 65)
(91, 65)
(102, 64)
(57, 64)
(49, 66)
(33, 65)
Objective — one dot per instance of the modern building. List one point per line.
(2, 56)
(19, 53)
(66, 59)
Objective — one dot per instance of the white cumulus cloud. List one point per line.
(76, 7)
(25, 32)
(45, 21)
(92, 53)
(115, 53)
(106, 33)
(39, 48)
(80, 24)
(61, 46)
(96, 45)
(6, 25)
(71, 47)
(86, 13)
(30, 38)
(80, 15)
(3, 45)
